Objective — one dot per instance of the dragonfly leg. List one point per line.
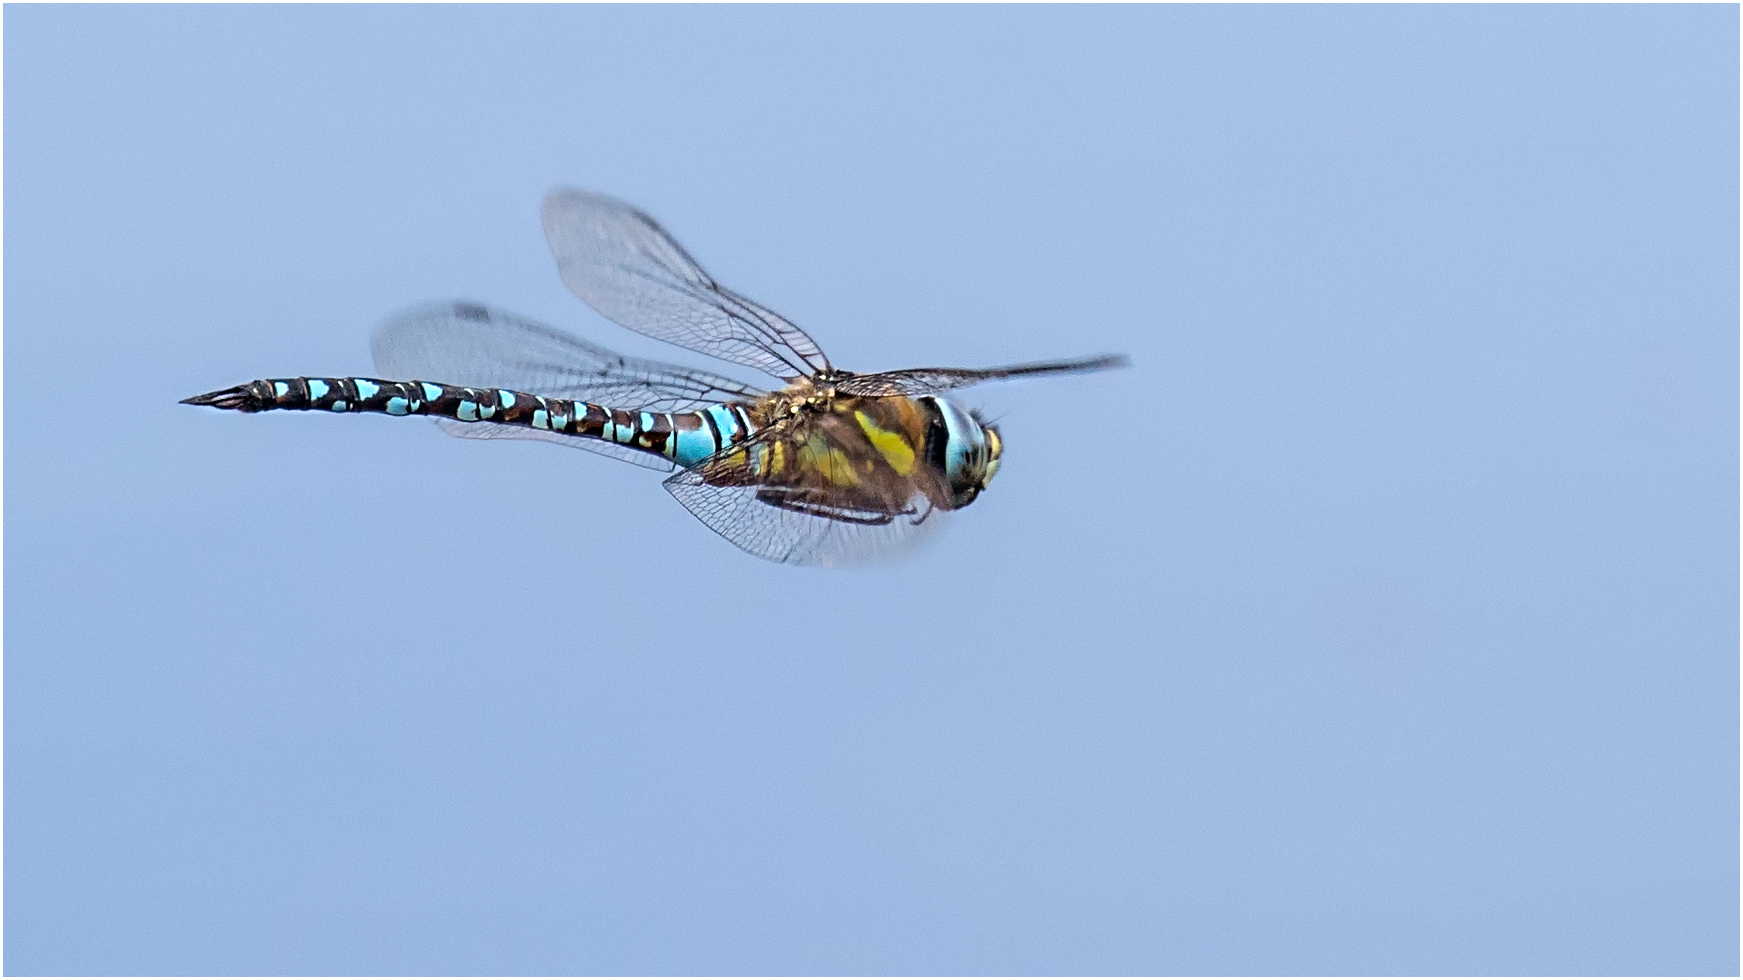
(787, 500)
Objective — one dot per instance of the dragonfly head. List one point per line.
(964, 447)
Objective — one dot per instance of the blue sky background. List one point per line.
(1382, 618)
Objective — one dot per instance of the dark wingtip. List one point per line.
(241, 398)
(1103, 362)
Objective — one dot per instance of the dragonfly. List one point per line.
(830, 468)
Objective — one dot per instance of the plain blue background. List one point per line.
(1382, 618)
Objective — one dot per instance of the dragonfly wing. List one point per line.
(477, 346)
(929, 381)
(797, 523)
(623, 264)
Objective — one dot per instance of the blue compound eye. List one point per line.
(967, 456)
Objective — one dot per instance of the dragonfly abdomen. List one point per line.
(686, 438)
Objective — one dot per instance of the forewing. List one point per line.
(929, 381)
(725, 493)
(623, 264)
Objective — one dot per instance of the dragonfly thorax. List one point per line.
(815, 394)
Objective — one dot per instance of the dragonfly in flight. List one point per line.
(832, 467)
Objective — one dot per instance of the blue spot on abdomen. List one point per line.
(725, 420)
(693, 446)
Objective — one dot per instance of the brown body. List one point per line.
(822, 450)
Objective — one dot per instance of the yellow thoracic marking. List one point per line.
(777, 458)
(818, 455)
(896, 450)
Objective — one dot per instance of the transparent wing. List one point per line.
(927, 381)
(474, 345)
(623, 264)
(797, 524)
